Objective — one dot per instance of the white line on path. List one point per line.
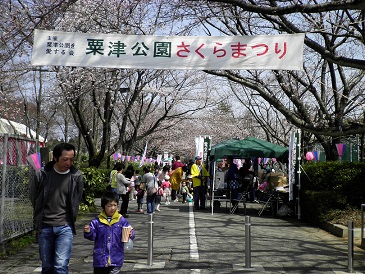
(194, 253)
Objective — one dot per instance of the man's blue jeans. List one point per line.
(55, 245)
(150, 200)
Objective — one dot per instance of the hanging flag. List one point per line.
(35, 160)
(316, 154)
(159, 158)
(143, 156)
(199, 146)
(340, 150)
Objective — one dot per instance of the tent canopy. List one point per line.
(248, 148)
(11, 127)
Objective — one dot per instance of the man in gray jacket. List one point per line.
(55, 193)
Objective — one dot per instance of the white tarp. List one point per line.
(11, 127)
(273, 52)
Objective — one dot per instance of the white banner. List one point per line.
(143, 156)
(274, 52)
(199, 146)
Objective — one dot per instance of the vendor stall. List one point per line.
(239, 149)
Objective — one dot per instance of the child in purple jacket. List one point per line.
(106, 232)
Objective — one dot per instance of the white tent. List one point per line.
(11, 127)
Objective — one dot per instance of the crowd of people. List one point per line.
(178, 182)
(181, 182)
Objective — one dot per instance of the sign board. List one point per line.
(274, 52)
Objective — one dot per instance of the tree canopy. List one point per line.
(114, 108)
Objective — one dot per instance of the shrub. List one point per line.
(96, 181)
(330, 187)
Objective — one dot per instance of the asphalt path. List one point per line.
(188, 241)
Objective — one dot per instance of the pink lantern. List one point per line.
(309, 156)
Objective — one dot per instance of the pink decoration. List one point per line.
(35, 160)
(340, 149)
(309, 156)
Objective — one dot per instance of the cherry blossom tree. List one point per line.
(326, 99)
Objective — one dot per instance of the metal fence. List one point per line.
(16, 213)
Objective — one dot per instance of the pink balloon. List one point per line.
(309, 156)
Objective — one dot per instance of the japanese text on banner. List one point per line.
(168, 52)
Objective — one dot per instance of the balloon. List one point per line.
(309, 156)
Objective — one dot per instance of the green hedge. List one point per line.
(331, 186)
(96, 181)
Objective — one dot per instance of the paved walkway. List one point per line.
(198, 242)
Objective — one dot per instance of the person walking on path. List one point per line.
(113, 184)
(150, 182)
(175, 179)
(166, 186)
(106, 231)
(163, 176)
(199, 174)
(159, 196)
(140, 189)
(123, 184)
(134, 181)
(177, 163)
(55, 193)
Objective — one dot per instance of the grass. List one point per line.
(13, 245)
(342, 217)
